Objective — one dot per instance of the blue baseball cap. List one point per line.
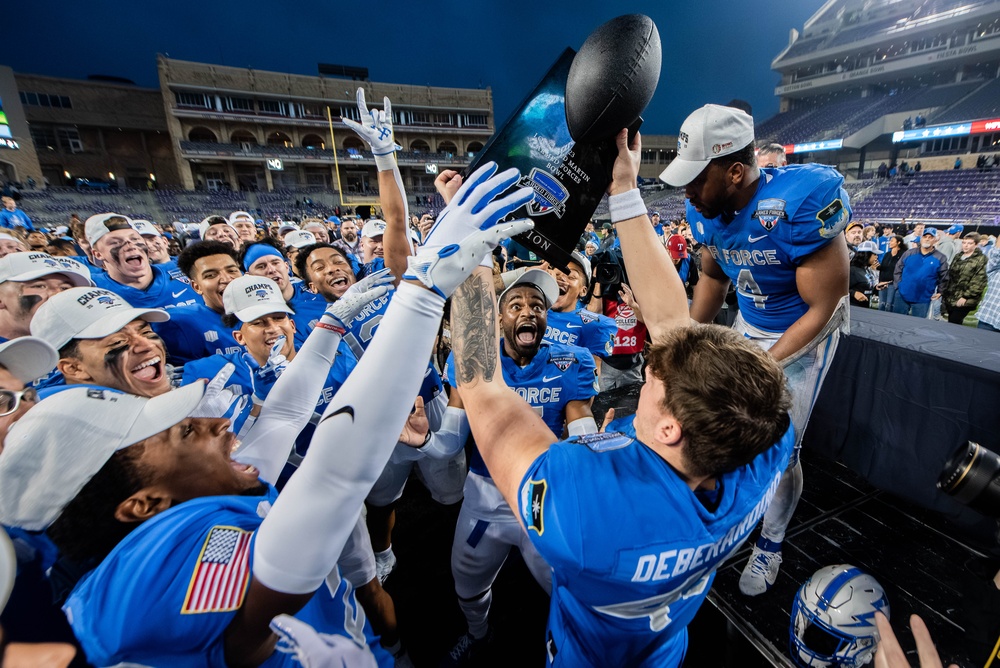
(956, 229)
(929, 230)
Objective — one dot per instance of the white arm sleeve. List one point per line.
(445, 443)
(303, 535)
(289, 405)
(584, 425)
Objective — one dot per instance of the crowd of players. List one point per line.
(157, 393)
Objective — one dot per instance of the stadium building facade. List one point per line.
(872, 81)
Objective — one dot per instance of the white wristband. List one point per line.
(626, 205)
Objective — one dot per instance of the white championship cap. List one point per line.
(250, 297)
(287, 227)
(64, 440)
(99, 225)
(28, 266)
(710, 132)
(86, 313)
(145, 228)
(373, 228)
(209, 221)
(240, 215)
(541, 280)
(28, 358)
(299, 239)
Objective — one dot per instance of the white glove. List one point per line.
(473, 208)
(319, 650)
(376, 129)
(445, 269)
(340, 313)
(373, 280)
(265, 377)
(218, 399)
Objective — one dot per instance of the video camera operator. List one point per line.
(608, 296)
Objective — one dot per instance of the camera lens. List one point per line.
(972, 476)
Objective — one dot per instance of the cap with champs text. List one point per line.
(299, 239)
(250, 297)
(145, 228)
(708, 133)
(87, 313)
(65, 439)
(19, 267)
(373, 228)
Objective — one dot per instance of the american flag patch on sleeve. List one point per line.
(222, 573)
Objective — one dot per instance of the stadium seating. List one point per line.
(984, 103)
(962, 195)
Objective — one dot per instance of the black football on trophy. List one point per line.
(613, 77)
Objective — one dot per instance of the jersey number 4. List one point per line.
(747, 286)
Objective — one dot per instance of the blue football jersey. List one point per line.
(241, 383)
(308, 307)
(195, 331)
(797, 210)
(633, 548)
(555, 376)
(581, 327)
(166, 594)
(165, 291)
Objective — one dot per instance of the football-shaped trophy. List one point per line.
(562, 137)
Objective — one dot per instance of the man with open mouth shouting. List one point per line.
(125, 258)
(559, 382)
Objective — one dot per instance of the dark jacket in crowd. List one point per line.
(966, 278)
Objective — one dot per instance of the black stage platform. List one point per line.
(841, 519)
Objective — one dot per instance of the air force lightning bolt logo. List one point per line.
(533, 505)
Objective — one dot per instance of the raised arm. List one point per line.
(291, 402)
(508, 432)
(376, 129)
(657, 287)
(300, 540)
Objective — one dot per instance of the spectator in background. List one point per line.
(949, 242)
(11, 217)
(863, 276)
(921, 276)
(62, 247)
(914, 237)
(989, 307)
(771, 155)
(217, 228)
(245, 226)
(678, 247)
(966, 281)
(883, 171)
(958, 163)
(318, 229)
(854, 234)
(886, 285)
(37, 241)
(349, 242)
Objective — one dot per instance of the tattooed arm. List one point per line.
(509, 434)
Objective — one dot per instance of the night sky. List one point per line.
(713, 50)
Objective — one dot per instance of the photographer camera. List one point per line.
(624, 365)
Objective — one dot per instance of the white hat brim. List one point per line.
(682, 172)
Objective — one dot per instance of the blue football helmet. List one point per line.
(833, 618)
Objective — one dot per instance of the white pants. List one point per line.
(444, 478)
(357, 561)
(484, 534)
